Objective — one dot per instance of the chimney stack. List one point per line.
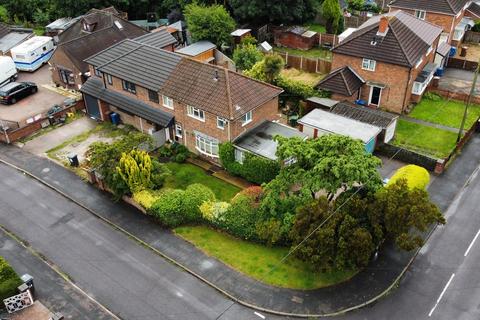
(383, 26)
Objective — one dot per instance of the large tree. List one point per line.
(211, 23)
(274, 11)
(246, 55)
(332, 13)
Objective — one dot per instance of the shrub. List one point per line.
(135, 168)
(165, 151)
(181, 157)
(240, 218)
(9, 280)
(169, 209)
(213, 211)
(195, 195)
(159, 173)
(254, 168)
(432, 96)
(146, 198)
(416, 177)
(254, 192)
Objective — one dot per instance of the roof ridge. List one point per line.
(451, 7)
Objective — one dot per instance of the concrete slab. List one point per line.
(38, 103)
(36, 311)
(456, 80)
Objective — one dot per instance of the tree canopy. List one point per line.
(246, 55)
(332, 13)
(211, 23)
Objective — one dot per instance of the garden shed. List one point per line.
(296, 38)
(319, 122)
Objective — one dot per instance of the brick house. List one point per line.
(173, 97)
(448, 14)
(387, 62)
(90, 34)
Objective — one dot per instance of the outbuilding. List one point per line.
(319, 122)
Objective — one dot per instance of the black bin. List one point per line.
(73, 159)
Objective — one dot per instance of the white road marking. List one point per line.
(471, 243)
(441, 295)
(259, 315)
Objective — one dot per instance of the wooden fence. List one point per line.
(463, 64)
(472, 36)
(312, 65)
(327, 40)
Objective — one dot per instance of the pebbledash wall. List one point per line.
(233, 128)
(397, 94)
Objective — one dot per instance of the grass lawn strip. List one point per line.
(426, 140)
(312, 53)
(447, 113)
(316, 27)
(184, 174)
(258, 261)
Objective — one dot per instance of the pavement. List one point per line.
(367, 285)
(36, 104)
(51, 289)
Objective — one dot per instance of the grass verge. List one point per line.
(184, 174)
(426, 140)
(447, 113)
(258, 261)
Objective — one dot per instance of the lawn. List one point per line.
(9, 280)
(315, 27)
(258, 261)
(448, 113)
(302, 76)
(312, 53)
(185, 174)
(427, 140)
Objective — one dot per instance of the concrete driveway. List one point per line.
(36, 104)
(456, 80)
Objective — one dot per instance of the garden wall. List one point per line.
(17, 133)
(407, 156)
(307, 64)
(462, 64)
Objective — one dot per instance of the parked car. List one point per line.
(8, 71)
(14, 91)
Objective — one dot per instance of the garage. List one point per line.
(93, 107)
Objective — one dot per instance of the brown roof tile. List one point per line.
(450, 7)
(343, 81)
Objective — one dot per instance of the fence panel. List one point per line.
(462, 64)
(472, 36)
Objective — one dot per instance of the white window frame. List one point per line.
(418, 88)
(369, 64)
(206, 145)
(167, 102)
(178, 130)
(196, 113)
(221, 123)
(239, 155)
(97, 72)
(419, 63)
(247, 118)
(420, 14)
(371, 96)
(109, 78)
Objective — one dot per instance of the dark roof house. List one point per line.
(449, 7)
(90, 34)
(343, 80)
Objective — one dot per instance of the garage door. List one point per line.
(93, 109)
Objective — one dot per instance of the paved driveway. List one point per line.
(457, 80)
(35, 104)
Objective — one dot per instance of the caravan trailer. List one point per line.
(33, 53)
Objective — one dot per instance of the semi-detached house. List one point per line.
(448, 14)
(388, 62)
(176, 98)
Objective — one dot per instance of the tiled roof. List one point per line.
(4, 30)
(79, 45)
(211, 88)
(95, 88)
(474, 8)
(405, 42)
(363, 114)
(343, 81)
(159, 39)
(450, 7)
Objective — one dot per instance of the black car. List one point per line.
(14, 91)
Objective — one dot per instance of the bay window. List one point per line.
(206, 144)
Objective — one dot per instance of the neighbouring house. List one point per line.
(448, 14)
(260, 140)
(12, 36)
(90, 34)
(319, 122)
(384, 120)
(473, 11)
(387, 63)
(296, 38)
(176, 98)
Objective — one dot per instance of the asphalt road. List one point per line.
(122, 275)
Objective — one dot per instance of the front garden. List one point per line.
(308, 225)
(9, 280)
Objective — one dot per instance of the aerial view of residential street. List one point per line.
(239, 159)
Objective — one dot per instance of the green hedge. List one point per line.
(416, 176)
(254, 168)
(9, 280)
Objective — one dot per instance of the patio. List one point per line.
(457, 80)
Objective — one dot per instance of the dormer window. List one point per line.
(88, 25)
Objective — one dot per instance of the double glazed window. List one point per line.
(153, 96)
(167, 102)
(178, 130)
(66, 76)
(247, 118)
(368, 64)
(420, 14)
(129, 86)
(196, 113)
(221, 123)
(206, 145)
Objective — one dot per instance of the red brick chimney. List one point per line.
(383, 25)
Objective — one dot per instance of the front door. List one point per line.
(375, 95)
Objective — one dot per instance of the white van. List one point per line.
(8, 71)
(33, 53)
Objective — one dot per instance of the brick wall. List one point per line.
(291, 40)
(60, 60)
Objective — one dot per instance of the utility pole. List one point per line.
(472, 92)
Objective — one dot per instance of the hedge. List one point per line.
(254, 168)
(9, 280)
(416, 176)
